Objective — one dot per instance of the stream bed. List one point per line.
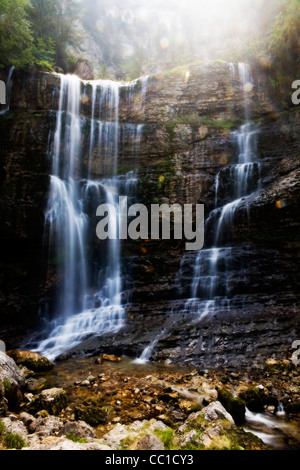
(136, 391)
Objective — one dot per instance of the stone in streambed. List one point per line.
(93, 411)
(32, 360)
(53, 400)
(111, 358)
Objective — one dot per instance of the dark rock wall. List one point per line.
(186, 140)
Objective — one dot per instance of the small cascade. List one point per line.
(89, 301)
(231, 69)
(210, 288)
(147, 353)
(9, 83)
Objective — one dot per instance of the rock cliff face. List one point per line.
(186, 140)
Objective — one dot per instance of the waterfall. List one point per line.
(9, 83)
(147, 352)
(89, 300)
(210, 288)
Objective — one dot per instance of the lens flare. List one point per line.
(281, 204)
(248, 87)
(164, 43)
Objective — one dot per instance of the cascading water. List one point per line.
(9, 83)
(210, 287)
(89, 302)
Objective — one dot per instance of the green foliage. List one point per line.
(166, 437)
(15, 34)
(14, 441)
(284, 42)
(39, 32)
(7, 385)
(2, 428)
(195, 121)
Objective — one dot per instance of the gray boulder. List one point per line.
(12, 381)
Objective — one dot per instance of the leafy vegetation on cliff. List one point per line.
(37, 32)
(125, 41)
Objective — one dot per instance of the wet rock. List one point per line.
(53, 400)
(99, 360)
(235, 406)
(12, 381)
(91, 379)
(254, 398)
(93, 411)
(85, 383)
(35, 385)
(111, 358)
(32, 360)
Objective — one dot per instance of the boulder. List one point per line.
(255, 399)
(52, 400)
(32, 360)
(12, 381)
(80, 429)
(13, 425)
(46, 426)
(235, 406)
(214, 411)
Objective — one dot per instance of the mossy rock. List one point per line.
(235, 406)
(255, 399)
(242, 440)
(93, 411)
(32, 360)
(53, 400)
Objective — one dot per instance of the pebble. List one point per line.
(85, 383)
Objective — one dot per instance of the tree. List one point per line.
(43, 16)
(15, 35)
